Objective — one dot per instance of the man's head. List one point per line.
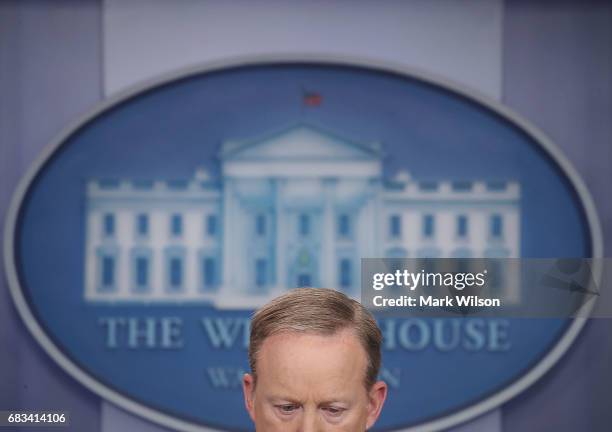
(314, 355)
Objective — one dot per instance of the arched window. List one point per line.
(428, 225)
(345, 273)
(395, 226)
(496, 226)
(304, 224)
(261, 272)
(461, 230)
(211, 225)
(209, 269)
(344, 225)
(175, 268)
(142, 225)
(141, 261)
(108, 225)
(260, 224)
(176, 225)
(107, 268)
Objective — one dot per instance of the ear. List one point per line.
(377, 396)
(248, 389)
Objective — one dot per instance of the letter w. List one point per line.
(222, 332)
(221, 377)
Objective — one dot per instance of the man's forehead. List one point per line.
(287, 349)
(296, 364)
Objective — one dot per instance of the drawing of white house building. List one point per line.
(297, 208)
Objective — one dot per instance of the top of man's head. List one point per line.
(320, 311)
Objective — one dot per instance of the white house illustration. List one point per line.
(300, 207)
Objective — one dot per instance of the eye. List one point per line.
(333, 411)
(287, 409)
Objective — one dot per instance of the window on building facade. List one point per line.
(176, 225)
(211, 225)
(108, 224)
(108, 272)
(496, 225)
(428, 186)
(345, 273)
(428, 225)
(496, 185)
(208, 272)
(260, 272)
(142, 224)
(176, 272)
(260, 224)
(462, 226)
(395, 226)
(461, 186)
(304, 280)
(304, 224)
(344, 225)
(142, 272)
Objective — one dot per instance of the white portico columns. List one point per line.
(229, 281)
(281, 234)
(328, 258)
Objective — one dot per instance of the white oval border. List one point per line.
(443, 422)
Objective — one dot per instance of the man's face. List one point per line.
(309, 382)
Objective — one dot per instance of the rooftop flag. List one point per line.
(312, 99)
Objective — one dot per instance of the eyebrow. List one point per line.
(275, 398)
(282, 398)
(335, 401)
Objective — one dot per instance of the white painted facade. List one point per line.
(300, 207)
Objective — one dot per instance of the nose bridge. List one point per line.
(310, 420)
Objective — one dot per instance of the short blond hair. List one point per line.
(320, 311)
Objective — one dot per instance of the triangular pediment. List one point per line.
(301, 142)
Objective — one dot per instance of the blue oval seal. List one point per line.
(140, 242)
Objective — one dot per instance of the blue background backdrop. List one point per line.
(557, 72)
(171, 130)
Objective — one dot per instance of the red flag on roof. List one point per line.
(312, 99)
